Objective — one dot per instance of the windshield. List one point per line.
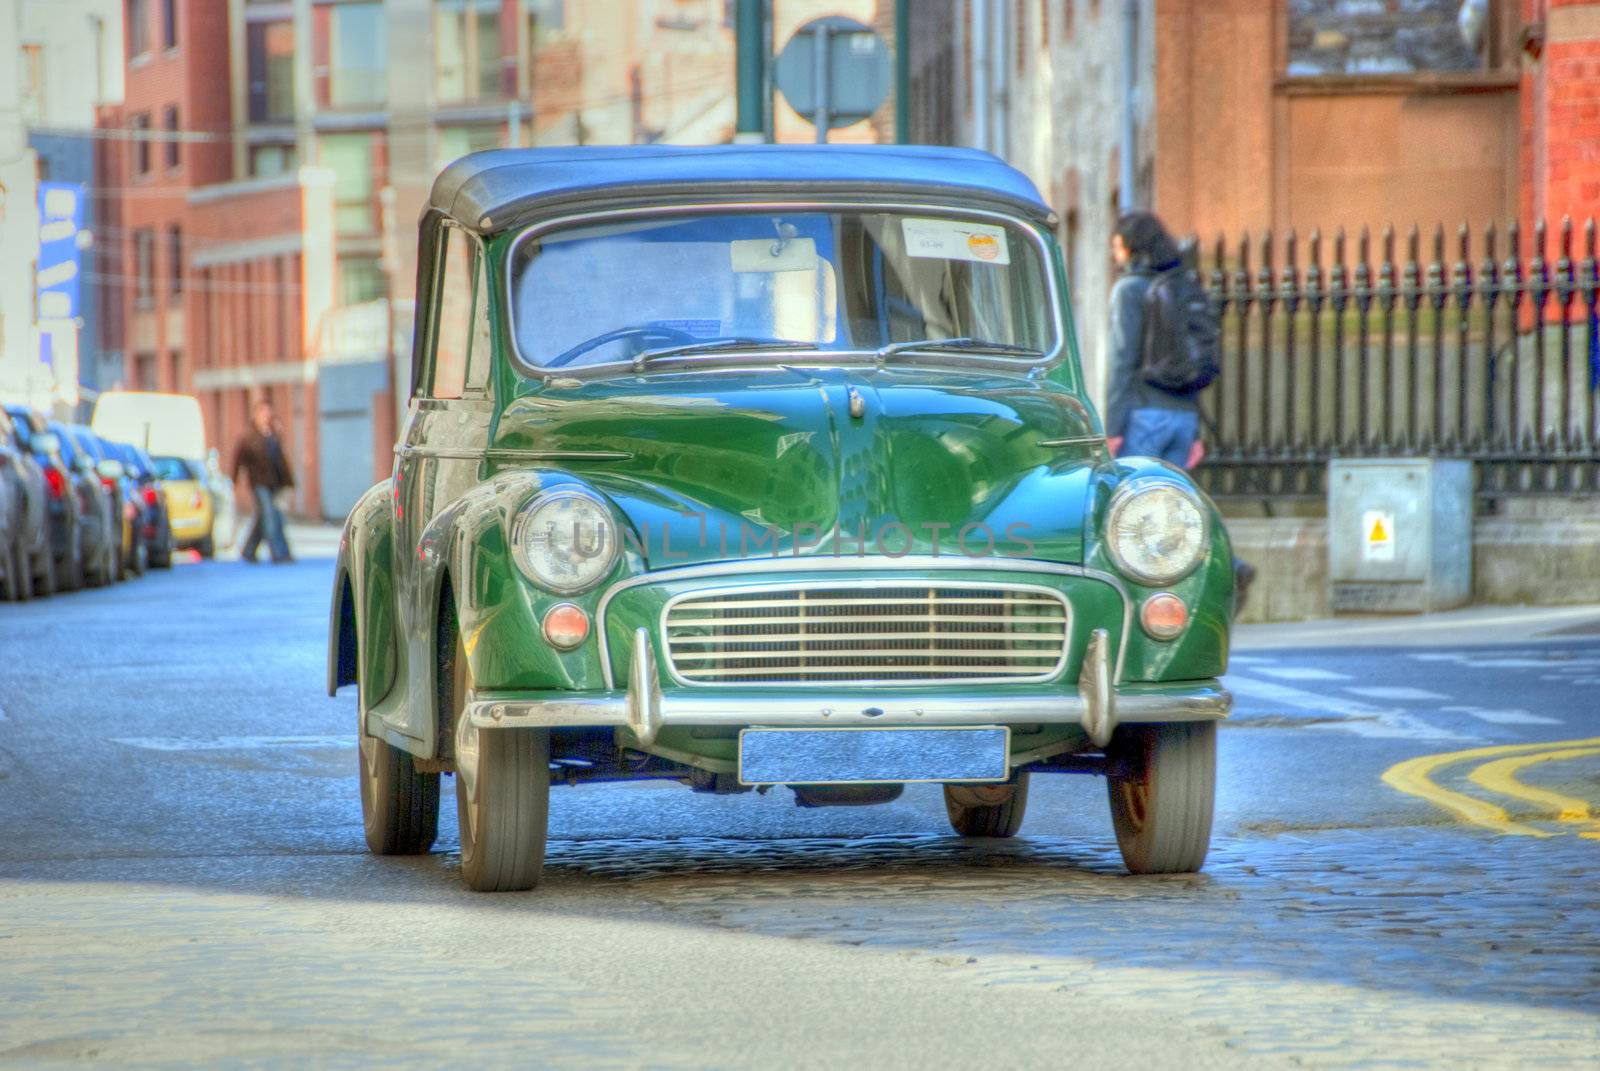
(832, 280)
(175, 468)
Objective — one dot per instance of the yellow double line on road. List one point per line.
(1415, 777)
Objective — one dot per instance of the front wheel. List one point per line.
(399, 806)
(988, 810)
(502, 797)
(1163, 781)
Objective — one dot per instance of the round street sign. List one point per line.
(834, 71)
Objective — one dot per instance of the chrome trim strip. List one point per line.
(1075, 440)
(500, 453)
(830, 358)
(886, 568)
(1037, 677)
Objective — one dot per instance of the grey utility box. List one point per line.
(1399, 534)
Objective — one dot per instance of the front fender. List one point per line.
(364, 575)
(497, 608)
(1201, 652)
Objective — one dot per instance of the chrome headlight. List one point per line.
(564, 541)
(1156, 532)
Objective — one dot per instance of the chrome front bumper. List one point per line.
(1099, 707)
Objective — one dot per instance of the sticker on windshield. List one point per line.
(693, 328)
(944, 239)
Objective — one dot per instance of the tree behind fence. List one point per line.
(1361, 348)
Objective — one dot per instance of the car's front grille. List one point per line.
(892, 633)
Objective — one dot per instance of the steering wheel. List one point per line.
(656, 335)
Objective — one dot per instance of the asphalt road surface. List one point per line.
(1405, 872)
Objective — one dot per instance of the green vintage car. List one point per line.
(756, 466)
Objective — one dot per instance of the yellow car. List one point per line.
(188, 503)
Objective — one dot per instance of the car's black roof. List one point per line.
(491, 191)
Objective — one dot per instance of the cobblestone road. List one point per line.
(182, 881)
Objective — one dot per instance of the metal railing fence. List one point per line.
(1353, 351)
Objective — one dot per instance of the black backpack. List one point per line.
(1182, 345)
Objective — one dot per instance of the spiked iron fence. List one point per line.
(1493, 356)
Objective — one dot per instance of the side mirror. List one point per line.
(110, 469)
(46, 442)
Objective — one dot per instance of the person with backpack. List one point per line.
(1164, 346)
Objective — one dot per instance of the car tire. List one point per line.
(399, 806)
(502, 797)
(988, 810)
(44, 583)
(207, 547)
(69, 570)
(18, 587)
(1162, 780)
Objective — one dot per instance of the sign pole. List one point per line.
(750, 58)
(902, 71)
(820, 50)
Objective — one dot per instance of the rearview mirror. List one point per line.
(46, 442)
(110, 469)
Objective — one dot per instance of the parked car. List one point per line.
(15, 583)
(150, 497)
(99, 518)
(752, 466)
(36, 566)
(189, 507)
(171, 429)
(118, 486)
(64, 508)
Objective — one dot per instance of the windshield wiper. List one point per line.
(956, 345)
(714, 345)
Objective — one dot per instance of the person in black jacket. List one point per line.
(259, 455)
(1142, 419)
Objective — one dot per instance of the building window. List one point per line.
(169, 23)
(138, 16)
(549, 16)
(144, 372)
(360, 280)
(175, 257)
(140, 125)
(269, 160)
(170, 122)
(144, 256)
(358, 54)
(270, 48)
(457, 141)
(467, 49)
(350, 157)
(32, 83)
(1338, 38)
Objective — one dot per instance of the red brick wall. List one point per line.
(244, 313)
(1561, 114)
(193, 78)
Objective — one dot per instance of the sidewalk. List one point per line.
(307, 539)
(1451, 628)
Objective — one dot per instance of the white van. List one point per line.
(171, 426)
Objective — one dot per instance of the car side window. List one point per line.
(461, 344)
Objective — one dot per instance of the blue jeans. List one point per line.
(268, 524)
(1165, 433)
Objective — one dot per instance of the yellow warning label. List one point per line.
(1377, 526)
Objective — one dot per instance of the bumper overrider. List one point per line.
(1099, 706)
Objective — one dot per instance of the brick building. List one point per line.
(170, 136)
(278, 152)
